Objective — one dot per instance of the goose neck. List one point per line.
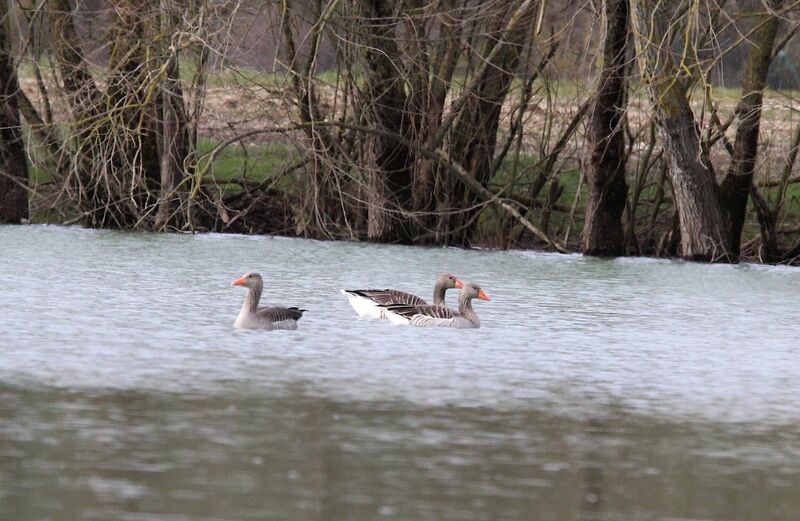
(465, 307)
(438, 294)
(252, 299)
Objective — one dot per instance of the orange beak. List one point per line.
(483, 296)
(239, 282)
(459, 284)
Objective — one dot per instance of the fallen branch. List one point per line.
(770, 183)
(488, 196)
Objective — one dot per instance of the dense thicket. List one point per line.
(610, 126)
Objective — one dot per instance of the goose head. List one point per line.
(248, 280)
(448, 280)
(472, 290)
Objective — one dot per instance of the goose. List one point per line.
(440, 316)
(368, 302)
(253, 317)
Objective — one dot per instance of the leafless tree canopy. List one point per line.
(617, 127)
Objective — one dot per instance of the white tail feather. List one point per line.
(395, 318)
(363, 306)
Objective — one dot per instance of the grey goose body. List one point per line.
(251, 316)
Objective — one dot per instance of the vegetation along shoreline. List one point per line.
(501, 125)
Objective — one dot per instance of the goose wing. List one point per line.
(438, 316)
(280, 314)
(424, 310)
(385, 297)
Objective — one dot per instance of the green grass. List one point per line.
(38, 175)
(253, 77)
(235, 163)
(793, 197)
(252, 163)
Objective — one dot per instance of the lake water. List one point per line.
(596, 389)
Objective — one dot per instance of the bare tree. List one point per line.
(702, 229)
(175, 143)
(385, 105)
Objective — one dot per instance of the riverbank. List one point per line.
(261, 183)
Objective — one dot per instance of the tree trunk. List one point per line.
(426, 101)
(135, 110)
(391, 177)
(703, 235)
(83, 96)
(736, 186)
(173, 146)
(81, 90)
(602, 232)
(174, 139)
(13, 161)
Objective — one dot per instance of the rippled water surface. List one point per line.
(596, 389)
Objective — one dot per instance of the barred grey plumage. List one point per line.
(427, 310)
(278, 314)
(440, 316)
(385, 297)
